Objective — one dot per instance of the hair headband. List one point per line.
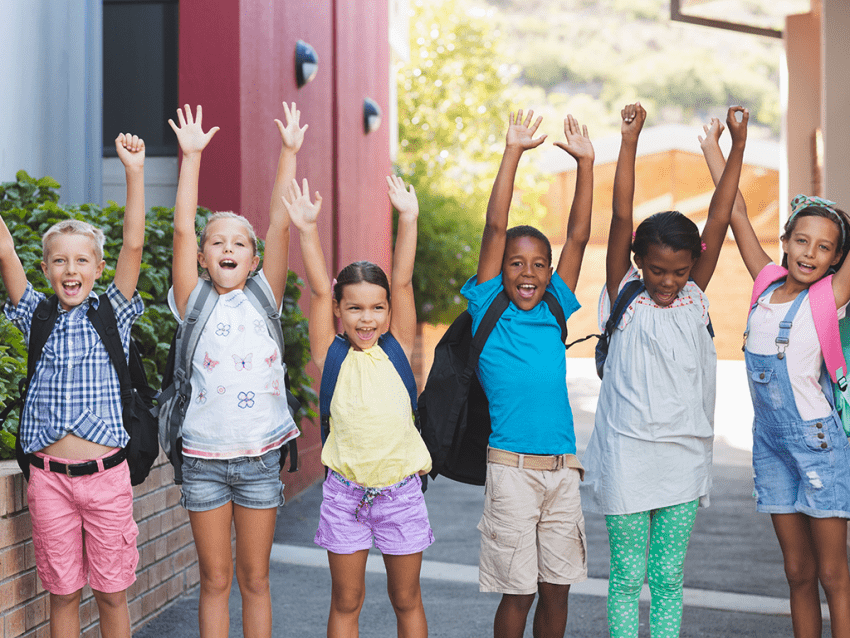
(801, 202)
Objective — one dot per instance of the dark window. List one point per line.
(140, 73)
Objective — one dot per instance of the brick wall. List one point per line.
(167, 559)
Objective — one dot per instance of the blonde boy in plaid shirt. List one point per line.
(71, 427)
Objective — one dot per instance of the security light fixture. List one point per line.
(306, 63)
(371, 115)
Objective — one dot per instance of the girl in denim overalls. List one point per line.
(801, 456)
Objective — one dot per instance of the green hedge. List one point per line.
(30, 206)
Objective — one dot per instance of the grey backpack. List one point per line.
(176, 381)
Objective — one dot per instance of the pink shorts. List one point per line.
(95, 510)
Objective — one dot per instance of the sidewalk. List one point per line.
(734, 580)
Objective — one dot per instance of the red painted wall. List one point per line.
(362, 70)
(237, 59)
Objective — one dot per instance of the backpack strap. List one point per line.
(43, 319)
(625, 297)
(264, 303)
(766, 276)
(556, 309)
(104, 322)
(337, 352)
(826, 325)
(395, 352)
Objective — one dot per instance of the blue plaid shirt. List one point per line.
(75, 388)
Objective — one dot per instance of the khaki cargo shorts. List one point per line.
(532, 529)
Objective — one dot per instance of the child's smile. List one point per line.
(71, 267)
(811, 248)
(526, 271)
(364, 313)
(228, 254)
(665, 272)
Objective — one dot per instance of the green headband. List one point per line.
(801, 202)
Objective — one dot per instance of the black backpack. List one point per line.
(137, 397)
(453, 409)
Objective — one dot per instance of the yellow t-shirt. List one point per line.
(373, 440)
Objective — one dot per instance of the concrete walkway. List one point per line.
(734, 580)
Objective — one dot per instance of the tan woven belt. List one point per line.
(532, 461)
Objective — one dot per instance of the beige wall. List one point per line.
(835, 99)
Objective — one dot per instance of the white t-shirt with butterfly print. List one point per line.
(238, 405)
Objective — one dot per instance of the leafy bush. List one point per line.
(30, 206)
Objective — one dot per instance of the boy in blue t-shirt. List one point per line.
(532, 530)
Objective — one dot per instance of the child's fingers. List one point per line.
(518, 116)
(199, 115)
(528, 117)
(173, 125)
(411, 190)
(536, 122)
(584, 131)
(294, 190)
(181, 119)
(287, 112)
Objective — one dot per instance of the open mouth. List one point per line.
(365, 334)
(806, 268)
(526, 291)
(664, 298)
(227, 264)
(71, 287)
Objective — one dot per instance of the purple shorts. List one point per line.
(395, 516)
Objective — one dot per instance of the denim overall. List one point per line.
(799, 466)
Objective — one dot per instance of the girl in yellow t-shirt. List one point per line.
(374, 454)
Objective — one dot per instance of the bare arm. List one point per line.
(754, 256)
(618, 260)
(578, 227)
(276, 259)
(725, 193)
(11, 268)
(131, 152)
(193, 140)
(403, 318)
(520, 137)
(304, 214)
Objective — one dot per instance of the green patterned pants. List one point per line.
(668, 530)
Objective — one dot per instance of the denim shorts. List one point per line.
(802, 466)
(249, 481)
(396, 518)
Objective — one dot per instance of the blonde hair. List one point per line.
(74, 227)
(229, 215)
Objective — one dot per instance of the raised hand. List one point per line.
(190, 134)
(292, 134)
(634, 115)
(302, 211)
(521, 133)
(738, 130)
(404, 200)
(131, 150)
(712, 131)
(578, 143)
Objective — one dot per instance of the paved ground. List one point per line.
(734, 580)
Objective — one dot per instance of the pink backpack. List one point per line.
(822, 301)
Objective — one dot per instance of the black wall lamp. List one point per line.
(306, 63)
(371, 115)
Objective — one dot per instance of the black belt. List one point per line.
(78, 469)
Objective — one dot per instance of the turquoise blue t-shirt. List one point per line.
(523, 371)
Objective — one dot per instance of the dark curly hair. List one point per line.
(670, 228)
(529, 231)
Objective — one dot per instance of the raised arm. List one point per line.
(578, 227)
(276, 258)
(184, 260)
(519, 138)
(304, 214)
(11, 268)
(754, 256)
(403, 317)
(720, 208)
(618, 260)
(131, 152)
